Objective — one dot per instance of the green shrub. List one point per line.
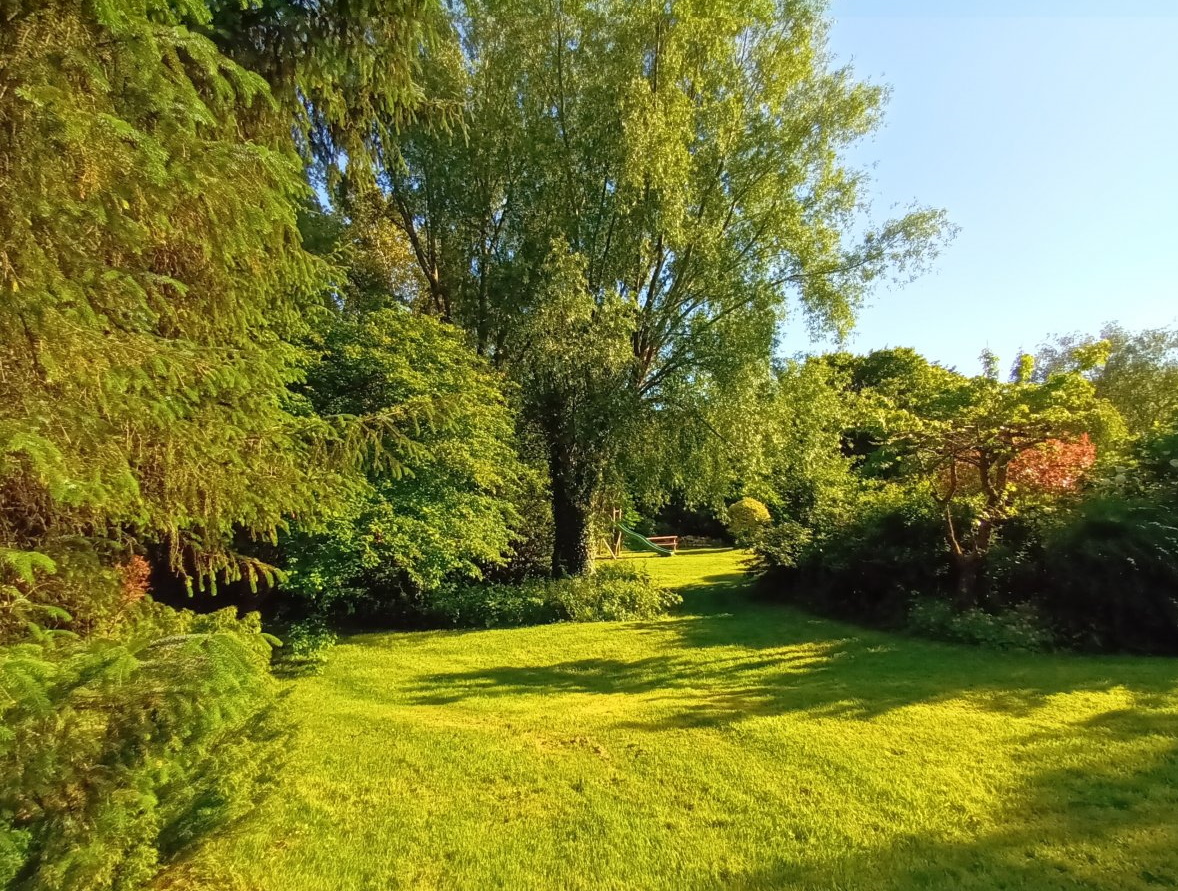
(1108, 576)
(745, 519)
(863, 567)
(615, 592)
(471, 605)
(305, 645)
(783, 544)
(116, 754)
(1017, 628)
(444, 508)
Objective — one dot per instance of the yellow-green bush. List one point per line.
(746, 518)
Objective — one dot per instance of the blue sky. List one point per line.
(1049, 132)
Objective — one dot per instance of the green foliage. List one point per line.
(1158, 463)
(446, 508)
(1108, 575)
(305, 646)
(155, 303)
(1018, 628)
(1136, 371)
(116, 754)
(614, 592)
(783, 544)
(865, 565)
(152, 284)
(636, 194)
(962, 439)
(951, 492)
(82, 589)
(494, 605)
(797, 466)
(347, 72)
(746, 518)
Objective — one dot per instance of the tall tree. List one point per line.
(639, 191)
(153, 288)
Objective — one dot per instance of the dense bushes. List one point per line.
(1108, 576)
(1019, 514)
(1017, 628)
(1100, 574)
(1102, 568)
(115, 754)
(866, 566)
(305, 645)
(441, 503)
(615, 592)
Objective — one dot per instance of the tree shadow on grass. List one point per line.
(1110, 824)
(715, 593)
(1095, 800)
(1094, 803)
(717, 668)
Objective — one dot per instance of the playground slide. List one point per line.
(644, 542)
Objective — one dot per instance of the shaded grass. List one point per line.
(733, 745)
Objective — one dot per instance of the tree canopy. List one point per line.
(664, 182)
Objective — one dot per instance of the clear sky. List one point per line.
(1049, 132)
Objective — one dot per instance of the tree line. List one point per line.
(263, 264)
(1029, 509)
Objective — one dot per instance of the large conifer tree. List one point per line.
(153, 284)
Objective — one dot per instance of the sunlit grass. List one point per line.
(733, 745)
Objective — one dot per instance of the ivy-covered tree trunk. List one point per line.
(572, 552)
(572, 497)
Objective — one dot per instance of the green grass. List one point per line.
(733, 745)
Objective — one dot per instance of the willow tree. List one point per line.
(153, 290)
(638, 192)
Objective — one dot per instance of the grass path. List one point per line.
(733, 745)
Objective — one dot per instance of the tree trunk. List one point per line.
(572, 549)
(572, 495)
(967, 568)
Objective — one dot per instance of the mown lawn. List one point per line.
(734, 745)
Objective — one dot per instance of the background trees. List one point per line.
(1136, 371)
(1010, 512)
(986, 447)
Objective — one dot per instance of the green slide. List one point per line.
(645, 542)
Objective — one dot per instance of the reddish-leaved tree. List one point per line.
(1055, 467)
